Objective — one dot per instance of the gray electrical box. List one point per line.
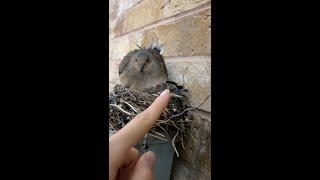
(164, 155)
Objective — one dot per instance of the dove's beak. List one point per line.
(141, 69)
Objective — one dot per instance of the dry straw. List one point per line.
(125, 104)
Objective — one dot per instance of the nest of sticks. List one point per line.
(125, 104)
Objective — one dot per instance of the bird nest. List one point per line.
(125, 104)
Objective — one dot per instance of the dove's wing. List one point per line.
(162, 64)
(124, 63)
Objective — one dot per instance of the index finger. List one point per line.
(132, 132)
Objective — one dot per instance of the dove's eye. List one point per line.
(148, 60)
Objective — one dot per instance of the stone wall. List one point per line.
(184, 26)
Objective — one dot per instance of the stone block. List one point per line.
(197, 150)
(195, 75)
(189, 36)
(183, 171)
(113, 73)
(151, 11)
(174, 7)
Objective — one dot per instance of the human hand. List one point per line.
(124, 160)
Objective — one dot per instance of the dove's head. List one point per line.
(146, 61)
(143, 66)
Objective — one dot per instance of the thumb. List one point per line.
(144, 168)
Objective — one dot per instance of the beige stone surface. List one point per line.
(113, 73)
(118, 48)
(189, 36)
(204, 155)
(195, 76)
(177, 6)
(197, 150)
(145, 13)
(119, 7)
(150, 11)
(183, 171)
(116, 9)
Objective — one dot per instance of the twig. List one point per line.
(138, 91)
(138, 45)
(133, 108)
(182, 142)
(118, 107)
(162, 128)
(157, 137)
(158, 133)
(167, 111)
(183, 121)
(167, 1)
(175, 95)
(203, 101)
(130, 102)
(114, 129)
(175, 149)
(113, 93)
(188, 109)
(176, 126)
(134, 98)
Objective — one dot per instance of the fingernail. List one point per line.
(165, 92)
(151, 158)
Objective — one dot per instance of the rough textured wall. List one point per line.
(184, 26)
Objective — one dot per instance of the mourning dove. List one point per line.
(143, 68)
